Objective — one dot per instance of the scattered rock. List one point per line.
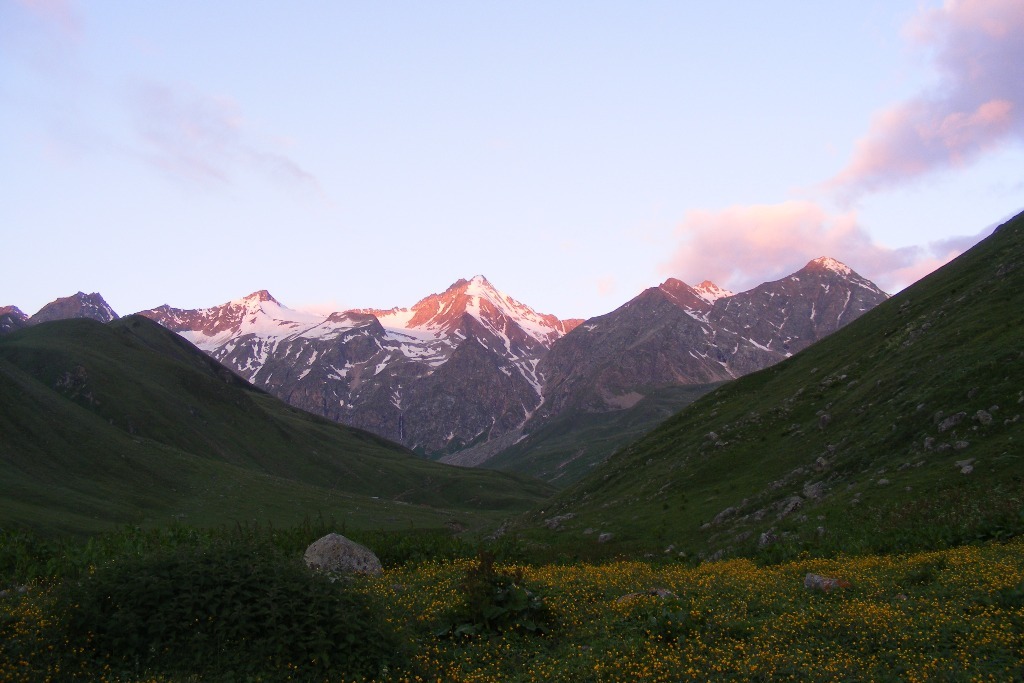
(724, 515)
(555, 523)
(961, 445)
(335, 553)
(821, 464)
(824, 420)
(711, 436)
(814, 491)
(951, 421)
(883, 482)
(824, 583)
(929, 443)
(965, 466)
(788, 506)
(605, 537)
(984, 417)
(767, 538)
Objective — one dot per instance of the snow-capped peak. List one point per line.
(829, 263)
(255, 298)
(711, 292)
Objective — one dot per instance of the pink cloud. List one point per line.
(977, 106)
(203, 139)
(743, 246)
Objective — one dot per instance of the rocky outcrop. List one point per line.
(11, 319)
(78, 305)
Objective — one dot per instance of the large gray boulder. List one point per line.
(335, 553)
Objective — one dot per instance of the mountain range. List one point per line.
(470, 372)
(898, 432)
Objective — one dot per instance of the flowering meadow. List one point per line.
(955, 614)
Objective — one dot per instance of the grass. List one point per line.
(946, 615)
(104, 425)
(570, 446)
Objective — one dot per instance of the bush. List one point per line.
(494, 603)
(229, 608)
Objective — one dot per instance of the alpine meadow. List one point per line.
(852, 511)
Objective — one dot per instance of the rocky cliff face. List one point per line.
(78, 305)
(11, 319)
(456, 368)
(677, 334)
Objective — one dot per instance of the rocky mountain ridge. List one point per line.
(456, 367)
(471, 366)
(676, 334)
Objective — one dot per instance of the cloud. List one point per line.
(57, 13)
(203, 139)
(743, 246)
(976, 107)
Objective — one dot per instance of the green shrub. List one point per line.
(494, 603)
(235, 606)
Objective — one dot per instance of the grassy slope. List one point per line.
(570, 446)
(843, 425)
(108, 424)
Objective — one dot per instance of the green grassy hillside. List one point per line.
(570, 446)
(127, 423)
(902, 430)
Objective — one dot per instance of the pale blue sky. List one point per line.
(354, 154)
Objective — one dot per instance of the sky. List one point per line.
(366, 154)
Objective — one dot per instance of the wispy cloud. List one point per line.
(977, 105)
(60, 14)
(203, 139)
(743, 246)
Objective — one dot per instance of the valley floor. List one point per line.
(946, 615)
(954, 614)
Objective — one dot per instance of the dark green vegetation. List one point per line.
(107, 424)
(494, 602)
(183, 604)
(903, 430)
(230, 603)
(571, 445)
(231, 607)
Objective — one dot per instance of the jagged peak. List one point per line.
(673, 283)
(253, 300)
(261, 295)
(711, 292)
(830, 264)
